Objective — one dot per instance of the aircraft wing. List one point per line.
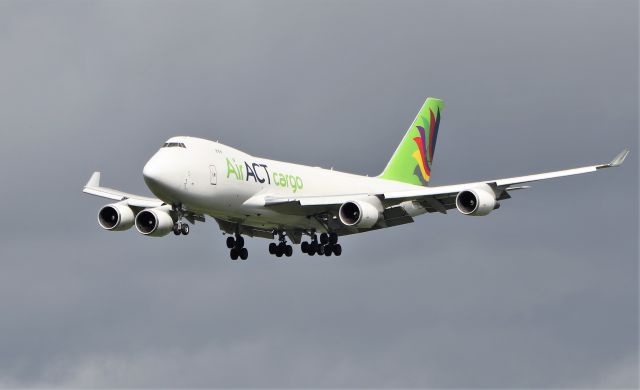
(433, 199)
(93, 187)
(500, 186)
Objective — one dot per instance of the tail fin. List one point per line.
(411, 162)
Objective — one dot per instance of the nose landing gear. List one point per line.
(180, 228)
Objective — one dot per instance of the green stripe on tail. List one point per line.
(411, 162)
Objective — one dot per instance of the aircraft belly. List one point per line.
(266, 219)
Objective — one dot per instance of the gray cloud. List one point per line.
(542, 293)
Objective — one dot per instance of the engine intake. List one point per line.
(477, 201)
(154, 222)
(358, 214)
(116, 217)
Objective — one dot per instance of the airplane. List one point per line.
(194, 178)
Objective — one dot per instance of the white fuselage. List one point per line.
(210, 178)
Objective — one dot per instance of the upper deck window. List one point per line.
(174, 145)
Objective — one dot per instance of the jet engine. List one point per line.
(154, 222)
(360, 214)
(480, 200)
(116, 216)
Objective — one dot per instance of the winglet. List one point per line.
(619, 159)
(94, 181)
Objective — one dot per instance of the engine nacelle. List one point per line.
(360, 214)
(478, 201)
(154, 222)
(116, 216)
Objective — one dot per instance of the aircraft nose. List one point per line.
(153, 173)
(164, 175)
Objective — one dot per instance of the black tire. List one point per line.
(272, 248)
(320, 250)
(328, 249)
(176, 229)
(333, 238)
(239, 242)
(233, 253)
(185, 229)
(230, 242)
(304, 247)
(288, 251)
(244, 253)
(337, 249)
(280, 249)
(324, 238)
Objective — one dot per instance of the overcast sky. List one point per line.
(541, 293)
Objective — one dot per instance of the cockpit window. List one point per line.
(174, 145)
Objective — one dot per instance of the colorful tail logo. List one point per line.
(424, 154)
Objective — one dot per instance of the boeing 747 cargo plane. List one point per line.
(194, 178)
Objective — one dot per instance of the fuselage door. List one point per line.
(213, 175)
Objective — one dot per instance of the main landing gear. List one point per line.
(282, 248)
(237, 249)
(328, 245)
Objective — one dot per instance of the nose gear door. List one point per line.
(213, 175)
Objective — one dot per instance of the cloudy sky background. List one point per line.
(541, 293)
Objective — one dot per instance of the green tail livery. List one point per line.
(411, 162)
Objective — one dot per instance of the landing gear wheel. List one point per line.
(234, 254)
(176, 229)
(313, 247)
(320, 250)
(185, 229)
(230, 242)
(333, 238)
(244, 253)
(239, 242)
(288, 250)
(281, 249)
(304, 247)
(337, 249)
(324, 238)
(328, 249)
(273, 247)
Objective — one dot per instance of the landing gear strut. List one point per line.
(327, 246)
(237, 247)
(282, 248)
